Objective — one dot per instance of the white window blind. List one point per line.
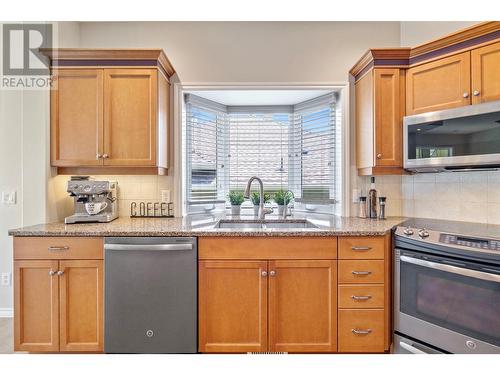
(313, 150)
(288, 147)
(205, 153)
(258, 146)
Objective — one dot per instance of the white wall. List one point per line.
(24, 155)
(250, 51)
(414, 33)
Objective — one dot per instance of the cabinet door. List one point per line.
(232, 306)
(486, 73)
(389, 111)
(81, 305)
(440, 84)
(36, 306)
(130, 107)
(77, 118)
(303, 306)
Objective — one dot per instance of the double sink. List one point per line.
(265, 224)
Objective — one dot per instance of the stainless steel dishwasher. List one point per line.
(150, 295)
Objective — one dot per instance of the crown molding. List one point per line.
(93, 56)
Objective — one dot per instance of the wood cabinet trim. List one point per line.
(85, 56)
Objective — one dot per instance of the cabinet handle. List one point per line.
(361, 272)
(52, 273)
(476, 93)
(272, 273)
(361, 248)
(264, 273)
(60, 273)
(361, 298)
(379, 156)
(105, 156)
(465, 95)
(58, 248)
(98, 156)
(361, 331)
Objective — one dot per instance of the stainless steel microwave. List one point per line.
(454, 139)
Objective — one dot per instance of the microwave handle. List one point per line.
(456, 270)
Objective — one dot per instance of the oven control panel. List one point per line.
(474, 242)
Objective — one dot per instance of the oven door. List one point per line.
(448, 304)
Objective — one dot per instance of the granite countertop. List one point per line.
(203, 225)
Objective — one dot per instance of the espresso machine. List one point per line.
(95, 201)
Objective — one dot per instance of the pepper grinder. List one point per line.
(372, 201)
(381, 212)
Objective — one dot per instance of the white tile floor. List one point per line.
(6, 335)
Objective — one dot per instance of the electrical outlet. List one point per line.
(9, 197)
(5, 279)
(355, 195)
(165, 196)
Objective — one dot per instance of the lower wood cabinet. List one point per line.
(232, 306)
(58, 303)
(361, 331)
(256, 306)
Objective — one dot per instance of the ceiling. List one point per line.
(259, 97)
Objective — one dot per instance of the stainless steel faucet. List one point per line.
(262, 211)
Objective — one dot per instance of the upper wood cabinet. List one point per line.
(77, 118)
(130, 111)
(486, 73)
(440, 84)
(379, 115)
(113, 118)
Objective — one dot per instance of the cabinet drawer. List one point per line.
(361, 296)
(361, 271)
(361, 331)
(361, 247)
(58, 248)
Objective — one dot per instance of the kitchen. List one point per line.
(240, 211)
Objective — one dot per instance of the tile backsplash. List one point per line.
(130, 188)
(462, 196)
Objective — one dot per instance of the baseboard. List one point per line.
(6, 312)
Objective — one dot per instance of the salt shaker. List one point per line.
(362, 207)
(381, 212)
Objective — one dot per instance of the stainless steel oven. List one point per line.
(459, 138)
(447, 296)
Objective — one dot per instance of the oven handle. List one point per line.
(411, 348)
(457, 270)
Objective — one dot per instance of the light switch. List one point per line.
(5, 280)
(9, 197)
(165, 196)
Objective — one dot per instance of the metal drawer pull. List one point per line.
(361, 248)
(361, 272)
(52, 273)
(60, 273)
(58, 248)
(361, 331)
(361, 298)
(264, 273)
(272, 273)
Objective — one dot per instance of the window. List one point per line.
(289, 147)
